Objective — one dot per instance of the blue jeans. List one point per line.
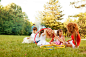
(37, 41)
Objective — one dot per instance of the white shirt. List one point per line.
(37, 36)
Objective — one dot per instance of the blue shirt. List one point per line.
(32, 27)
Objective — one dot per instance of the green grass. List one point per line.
(11, 46)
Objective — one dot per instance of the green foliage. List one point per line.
(12, 20)
(81, 23)
(27, 28)
(65, 24)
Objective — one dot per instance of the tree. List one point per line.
(79, 4)
(65, 24)
(81, 23)
(27, 25)
(81, 16)
(13, 20)
(51, 15)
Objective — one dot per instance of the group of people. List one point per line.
(57, 38)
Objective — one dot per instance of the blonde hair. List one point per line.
(49, 35)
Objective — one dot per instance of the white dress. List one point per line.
(42, 41)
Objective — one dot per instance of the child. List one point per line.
(31, 38)
(47, 34)
(38, 36)
(33, 33)
(60, 39)
(75, 37)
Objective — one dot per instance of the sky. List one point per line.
(31, 7)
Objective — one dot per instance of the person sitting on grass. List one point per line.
(31, 38)
(38, 39)
(48, 33)
(59, 39)
(75, 37)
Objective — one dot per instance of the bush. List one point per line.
(85, 36)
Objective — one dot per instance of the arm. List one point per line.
(63, 38)
(44, 32)
(56, 37)
(54, 33)
(69, 40)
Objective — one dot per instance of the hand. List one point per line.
(53, 31)
(76, 46)
(43, 34)
(61, 40)
(67, 41)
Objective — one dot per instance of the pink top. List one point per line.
(57, 42)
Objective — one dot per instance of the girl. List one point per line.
(75, 37)
(60, 39)
(47, 34)
(38, 39)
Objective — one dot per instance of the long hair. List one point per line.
(59, 30)
(49, 35)
(42, 31)
(73, 29)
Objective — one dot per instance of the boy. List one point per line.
(31, 38)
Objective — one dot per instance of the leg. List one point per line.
(68, 45)
(52, 43)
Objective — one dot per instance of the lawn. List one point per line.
(11, 46)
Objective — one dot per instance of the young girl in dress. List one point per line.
(60, 39)
(48, 33)
(75, 37)
(38, 39)
(31, 38)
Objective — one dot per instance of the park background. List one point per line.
(18, 16)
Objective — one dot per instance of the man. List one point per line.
(43, 26)
(33, 27)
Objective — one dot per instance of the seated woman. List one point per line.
(48, 33)
(75, 40)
